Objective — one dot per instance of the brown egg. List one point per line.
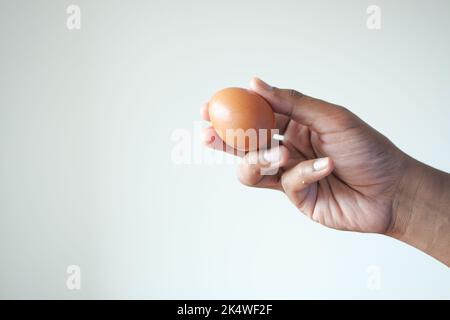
(242, 118)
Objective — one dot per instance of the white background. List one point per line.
(86, 118)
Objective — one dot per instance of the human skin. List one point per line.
(345, 175)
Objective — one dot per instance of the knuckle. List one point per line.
(303, 172)
(285, 183)
(244, 180)
(295, 180)
(345, 118)
(341, 108)
(286, 93)
(247, 176)
(294, 93)
(288, 184)
(344, 113)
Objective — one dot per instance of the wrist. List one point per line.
(421, 209)
(405, 197)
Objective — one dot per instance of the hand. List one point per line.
(345, 175)
(333, 166)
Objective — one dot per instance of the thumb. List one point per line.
(306, 110)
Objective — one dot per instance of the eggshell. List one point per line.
(242, 118)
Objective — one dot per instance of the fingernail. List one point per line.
(207, 137)
(272, 155)
(320, 164)
(264, 85)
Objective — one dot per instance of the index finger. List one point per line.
(204, 113)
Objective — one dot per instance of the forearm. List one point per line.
(421, 210)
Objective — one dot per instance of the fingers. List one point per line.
(204, 113)
(282, 101)
(262, 168)
(297, 181)
(301, 108)
(211, 139)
